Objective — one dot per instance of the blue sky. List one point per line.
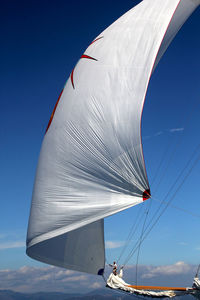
(41, 43)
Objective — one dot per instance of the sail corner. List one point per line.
(146, 195)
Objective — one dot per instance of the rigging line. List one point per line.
(173, 153)
(178, 178)
(161, 163)
(106, 261)
(134, 249)
(131, 233)
(138, 241)
(176, 191)
(142, 232)
(176, 181)
(108, 255)
(166, 206)
(157, 211)
(178, 208)
(137, 260)
(170, 159)
(176, 146)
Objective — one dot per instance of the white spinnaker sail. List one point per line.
(91, 163)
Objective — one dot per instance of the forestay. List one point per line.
(91, 163)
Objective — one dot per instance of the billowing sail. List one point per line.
(91, 163)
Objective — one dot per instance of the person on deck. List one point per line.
(114, 266)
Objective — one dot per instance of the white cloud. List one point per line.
(172, 130)
(182, 243)
(53, 279)
(24, 270)
(177, 268)
(114, 244)
(147, 137)
(78, 278)
(64, 272)
(158, 133)
(44, 277)
(10, 245)
(176, 129)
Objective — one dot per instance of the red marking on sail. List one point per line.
(146, 194)
(72, 79)
(84, 56)
(72, 73)
(52, 115)
(87, 56)
(96, 40)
